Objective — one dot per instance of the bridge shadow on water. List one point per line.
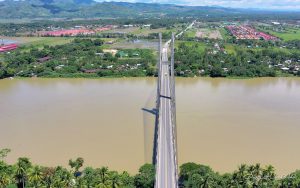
(153, 112)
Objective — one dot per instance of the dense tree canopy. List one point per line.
(192, 175)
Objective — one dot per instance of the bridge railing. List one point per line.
(173, 107)
(158, 98)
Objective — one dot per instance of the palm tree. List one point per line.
(35, 177)
(22, 166)
(48, 176)
(102, 185)
(241, 177)
(103, 174)
(268, 177)
(254, 172)
(89, 176)
(62, 178)
(20, 176)
(115, 180)
(4, 180)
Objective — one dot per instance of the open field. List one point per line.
(123, 30)
(208, 33)
(229, 48)
(40, 41)
(140, 31)
(191, 33)
(199, 45)
(290, 34)
(147, 31)
(224, 33)
(131, 44)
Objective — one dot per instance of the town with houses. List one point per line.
(240, 31)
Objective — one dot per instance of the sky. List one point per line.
(260, 4)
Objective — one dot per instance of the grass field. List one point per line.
(230, 49)
(143, 44)
(224, 33)
(191, 33)
(123, 30)
(51, 41)
(147, 31)
(40, 41)
(201, 46)
(290, 34)
(139, 31)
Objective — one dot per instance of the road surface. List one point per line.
(166, 160)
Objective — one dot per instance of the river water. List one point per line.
(221, 122)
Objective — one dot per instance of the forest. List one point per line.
(26, 174)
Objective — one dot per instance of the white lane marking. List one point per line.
(165, 132)
(172, 138)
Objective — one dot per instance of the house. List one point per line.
(8, 47)
(91, 71)
(123, 54)
(109, 42)
(135, 54)
(111, 51)
(285, 69)
(276, 23)
(288, 61)
(44, 59)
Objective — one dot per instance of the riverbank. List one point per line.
(94, 76)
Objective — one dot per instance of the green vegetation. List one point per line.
(80, 58)
(19, 10)
(213, 52)
(191, 33)
(225, 34)
(198, 57)
(24, 174)
(42, 41)
(292, 34)
(284, 33)
(232, 60)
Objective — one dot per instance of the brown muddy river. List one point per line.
(221, 122)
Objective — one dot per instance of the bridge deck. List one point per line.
(166, 160)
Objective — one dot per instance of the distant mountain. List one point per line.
(11, 9)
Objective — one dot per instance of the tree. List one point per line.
(146, 177)
(102, 177)
(127, 180)
(3, 153)
(48, 176)
(292, 180)
(4, 179)
(62, 178)
(76, 164)
(89, 177)
(267, 177)
(115, 180)
(186, 170)
(22, 167)
(35, 177)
